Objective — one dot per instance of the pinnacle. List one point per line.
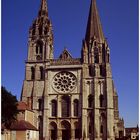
(94, 27)
(43, 8)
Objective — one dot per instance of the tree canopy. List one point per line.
(9, 107)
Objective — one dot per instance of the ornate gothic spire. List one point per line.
(41, 35)
(43, 8)
(94, 28)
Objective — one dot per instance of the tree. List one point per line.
(9, 107)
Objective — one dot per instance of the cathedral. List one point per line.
(73, 98)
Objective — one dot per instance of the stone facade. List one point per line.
(73, 98)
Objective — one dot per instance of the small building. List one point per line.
(24, 128)
(132, 133)
(5, 134)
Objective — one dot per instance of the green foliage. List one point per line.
(9, 107)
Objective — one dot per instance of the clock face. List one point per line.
(64, 82)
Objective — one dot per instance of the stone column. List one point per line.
(59, 134)
(110, 109)
(73, 134)
(96, 110)
(59, 106)
(84, 109)
(72, 107)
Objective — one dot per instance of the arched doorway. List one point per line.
(53, 131)
(66, 130)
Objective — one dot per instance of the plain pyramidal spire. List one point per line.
(94, 27)
(43, 8)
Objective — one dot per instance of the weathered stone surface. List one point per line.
(72, 97)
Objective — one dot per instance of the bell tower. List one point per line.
(98, 87)
(73, 98)
(40, 36)
(95, 48)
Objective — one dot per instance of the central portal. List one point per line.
(65, 134)
(66, 130)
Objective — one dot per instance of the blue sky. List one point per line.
(69, 18)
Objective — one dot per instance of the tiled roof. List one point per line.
(131, 129)
(22, 125)
(22, 106)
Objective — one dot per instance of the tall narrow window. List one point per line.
(40, 30)
(54, 108)
(101, 70)
(53, 131)
(96, 55)
(39, 47)
(40, 127)
(101, 100)
(76, 106)
(102, 123)
(103, 53)
(65, 106)
(32, 73)
(41, 73)
(90, 101)
(40, 104)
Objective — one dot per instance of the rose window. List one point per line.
(64, 82)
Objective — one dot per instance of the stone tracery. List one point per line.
(64, 82)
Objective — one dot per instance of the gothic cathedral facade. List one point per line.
(73, 98)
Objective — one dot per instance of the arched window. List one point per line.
(37, 51)
(102, 123)
(41, 73)
(66, 130)
(103, 53)
(96, 55)
(76, 106)
(101, 100)
(32, 73)
(90, 101)
(54, 108)
(53, 131)
(65, 106)
(39, 47)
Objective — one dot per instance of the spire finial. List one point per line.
(94, 27)
(43, 8)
